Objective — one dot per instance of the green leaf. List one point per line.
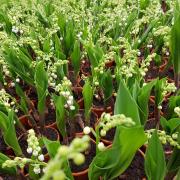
(175, 39)
(19, 65)
(41, 82)
(76, 57)
(112, 162)
(143, 99)
(88, 99)
(46, 45)
(52, 146)
(9, 132)
(107, 85)
(6, 170)
(155, 164)
(60, 113)
(125, 104)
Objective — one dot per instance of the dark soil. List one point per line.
(77, 93)
(136, 170)
(150, 124)
(153, 72)
(50, 117)
(8, 177)
(24, 145)
(2, 144)
(81, 83)
(86, 68)
(110, 134)
(89, 155)
(51, 134)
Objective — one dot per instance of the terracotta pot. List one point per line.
(55, 131)
(82, 175)
(145, 146)
(163, 66)
(110, 63)
(25, 121)
(100, 110)
(23, 173)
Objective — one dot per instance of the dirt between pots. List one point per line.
(50, 118)
(110, 134)
(89, 155)
(136, 170)
(9, 177)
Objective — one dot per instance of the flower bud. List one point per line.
(101, 146)
(79, 159)
(86, 130)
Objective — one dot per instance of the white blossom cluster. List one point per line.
(55, 167)
(52, 71)
(7, 100)
(145, 64)
(165, 138)
(34, 149)
(64, 89)
(168, 88)
(177, 111)
(108, 122)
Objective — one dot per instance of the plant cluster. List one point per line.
(107, 69)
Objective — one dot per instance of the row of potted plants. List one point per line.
(89, 89)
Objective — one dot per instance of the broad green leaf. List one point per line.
(112, 162)
(175, 39)
(143, 99)
(60, 113)
(125, 104)
(6, 170)
(155, 164)
(52, 146)
(19, 66)
(107, 85)
(9, 132)
(88, 99)
(92, 54)
(76, 57)
(41, 82)
(46, 45)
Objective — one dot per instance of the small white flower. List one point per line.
(96, 83)
(159, 107)
(12, 84)
(21, 31)
(69, 102)
(101, 146)
(41, 157)
(103, 133)
(29, 150)
(72, 108)
(37, 170)
(86, 130)
(67, 93)
(71, 98)
(167, 53)
(17, 80)
(35, 153)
